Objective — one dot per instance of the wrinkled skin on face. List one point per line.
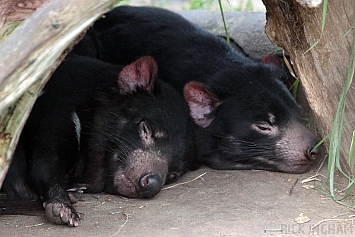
(250, 125)
(142, 139)
(245, 117)
(143, 176)
(100, 127)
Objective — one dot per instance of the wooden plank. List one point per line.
(30, 54)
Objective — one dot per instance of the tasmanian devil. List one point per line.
(247, 119)
(104, 128)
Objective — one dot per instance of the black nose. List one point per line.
(312, 153)
(150, 185)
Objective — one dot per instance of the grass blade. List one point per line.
(324, 15)
(224, 22)
(352, 154)
(336, 133)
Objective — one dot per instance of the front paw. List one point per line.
(60, 213)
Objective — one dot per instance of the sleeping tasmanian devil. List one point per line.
(104, 128)
(247, 119)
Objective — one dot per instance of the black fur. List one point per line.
(247, 119)
(134, 136)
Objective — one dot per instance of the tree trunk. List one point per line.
(32, 52)
(296, 26)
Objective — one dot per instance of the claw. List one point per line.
(60, 213)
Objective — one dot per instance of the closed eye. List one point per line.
(265, 128)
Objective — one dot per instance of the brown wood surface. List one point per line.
(31, 52)
(323, 70)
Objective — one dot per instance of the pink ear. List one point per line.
(272, 60)
(140, 73)
(202, 102)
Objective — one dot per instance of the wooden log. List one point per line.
(32, 52)
(296, 26)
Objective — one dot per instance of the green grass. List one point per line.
(199, 4)
(335, 136)
(324, 16)
(244, 6)
(224, 21)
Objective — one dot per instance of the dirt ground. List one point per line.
(212, 203)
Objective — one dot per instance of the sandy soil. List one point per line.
(219, 203)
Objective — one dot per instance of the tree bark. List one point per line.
(32, 52)
(323, 69)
